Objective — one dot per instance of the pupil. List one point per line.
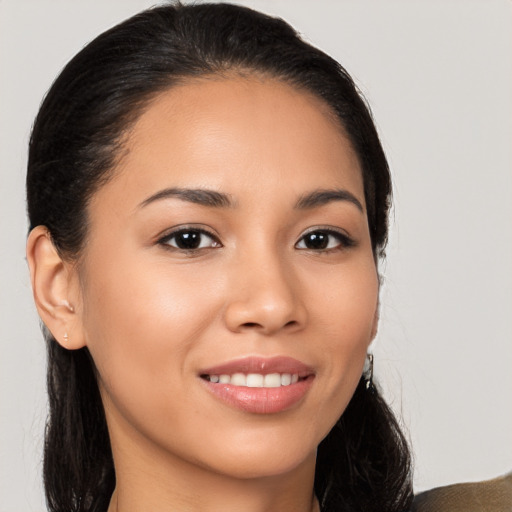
(188, 240)
(317, 240)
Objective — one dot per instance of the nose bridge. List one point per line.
(265, 293)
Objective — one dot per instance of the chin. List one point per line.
(268, 454)
(280, 464)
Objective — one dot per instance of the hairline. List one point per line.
(147, 100)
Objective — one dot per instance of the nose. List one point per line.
(265, 297)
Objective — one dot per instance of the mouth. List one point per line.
(255, 380)
(260, 385)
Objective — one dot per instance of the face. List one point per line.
(228, 286)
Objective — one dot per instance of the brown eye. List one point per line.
(190, 240)
(321, 240)
(316, 240)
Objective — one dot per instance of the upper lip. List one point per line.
(261, 365)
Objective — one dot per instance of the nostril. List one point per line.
(251, 324)
(256, 325)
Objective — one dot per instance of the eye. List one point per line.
(190, 239)
(324, 240)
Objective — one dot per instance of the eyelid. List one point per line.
(344, 238)
(168, 234)
(326, 229)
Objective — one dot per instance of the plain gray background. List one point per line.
(438, 75)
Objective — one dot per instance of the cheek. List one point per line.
(141, 321)
(144, 324)
(345, 318)
(344, 304)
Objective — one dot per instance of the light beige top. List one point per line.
(489, 496)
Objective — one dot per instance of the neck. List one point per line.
(138, 489)
(149, 479)
(225, 498)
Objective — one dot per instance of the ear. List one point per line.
(55, 288)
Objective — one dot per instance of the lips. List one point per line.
(259, 385)
(262, 365)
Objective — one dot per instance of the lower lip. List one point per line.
(261, 400)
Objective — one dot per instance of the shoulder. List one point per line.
(489, 496)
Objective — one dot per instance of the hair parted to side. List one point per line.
(77, 140)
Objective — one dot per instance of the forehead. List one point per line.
(224, 133)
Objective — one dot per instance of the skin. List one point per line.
(153, 315)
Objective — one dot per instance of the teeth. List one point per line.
(272, 380)
(286, 379)
(238, 379)
(256, 380)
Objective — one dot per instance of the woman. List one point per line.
(208, 202)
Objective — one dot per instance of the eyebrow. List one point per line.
(212, 198)
(321, 197)
(200, 196)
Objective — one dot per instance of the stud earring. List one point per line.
(67, 305)
(66, 337)
(368, 372)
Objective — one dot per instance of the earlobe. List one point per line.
(55, 290)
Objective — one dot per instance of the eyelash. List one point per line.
(164, 241)
(343, 240)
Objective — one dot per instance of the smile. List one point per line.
(259, 385)
(255, 380)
